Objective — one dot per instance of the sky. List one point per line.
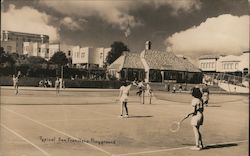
(188, 27)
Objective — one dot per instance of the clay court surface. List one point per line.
(78, 122)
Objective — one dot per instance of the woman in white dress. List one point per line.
(197, 118)
(124, 93)
(15, 83)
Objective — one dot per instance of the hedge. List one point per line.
(77, 83)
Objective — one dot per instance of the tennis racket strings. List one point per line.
(175, 126)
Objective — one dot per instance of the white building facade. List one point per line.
(45, 50)
(53, 48)
(208, 63)
(228, 64)
(85, 57)
(36, 49)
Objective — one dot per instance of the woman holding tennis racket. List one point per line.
(124, 93)
(197, 118)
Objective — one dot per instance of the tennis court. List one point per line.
(82, 122)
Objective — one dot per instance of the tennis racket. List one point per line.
(175, 126)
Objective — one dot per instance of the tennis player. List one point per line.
(57, 86)
(197, 118)
(15, 83)
(141, 88)
(124, 93)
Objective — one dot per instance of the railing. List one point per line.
(215, 78)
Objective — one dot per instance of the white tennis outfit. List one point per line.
(125, 92)
(197, 119)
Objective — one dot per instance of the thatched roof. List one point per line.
(158, 60)
(162, 60)
(168, 61)
(132, 60)
(127, 60)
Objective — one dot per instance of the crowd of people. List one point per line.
(45, 83)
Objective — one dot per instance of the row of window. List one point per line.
(39, 49)
(79, 55)
(230, 65)
(82, 55)
(207, 65)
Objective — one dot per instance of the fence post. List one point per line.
(143, 96)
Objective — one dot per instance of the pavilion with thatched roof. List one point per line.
(154, 66)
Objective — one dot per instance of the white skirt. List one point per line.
(197, 119)
(124, 98)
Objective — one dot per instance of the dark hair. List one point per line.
(124, 83)
(196, 93)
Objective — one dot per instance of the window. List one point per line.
(47, 51)
(9, 48)
(39, 50)
(236, 65)
(82, 55)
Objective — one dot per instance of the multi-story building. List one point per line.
(18, 38)
(53, 48)
(9, 46)
(45, 50)
(208, 63)
(228, 63)
(36, 49)
(225, 64)
(67, 49)
(85, 57)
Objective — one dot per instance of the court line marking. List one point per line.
(58, 131)
(81, 120)
(26, 140)
(173, 149)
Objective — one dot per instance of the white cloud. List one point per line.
(29, 20)
(225, 34)
(116, 12)
(71, 24)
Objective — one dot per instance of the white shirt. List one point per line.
(124, 91)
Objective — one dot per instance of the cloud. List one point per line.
(225, 34)
(29, 20)
(72, 24)
(113, 12)
(116, 13)
(177, 5)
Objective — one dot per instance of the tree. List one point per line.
(117, 48)
(5, 57)
(36, 60)
(59, 58)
